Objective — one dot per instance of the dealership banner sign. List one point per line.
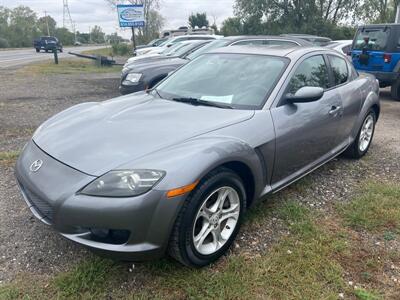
(130, 15)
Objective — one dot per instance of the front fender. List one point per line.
(190, 161)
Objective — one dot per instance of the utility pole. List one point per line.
(47, 23)
(90, 36)
(397, 14)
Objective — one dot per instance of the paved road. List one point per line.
(12, 58)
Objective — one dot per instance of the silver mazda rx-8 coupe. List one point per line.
(174, 169)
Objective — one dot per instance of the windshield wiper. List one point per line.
(195, 101)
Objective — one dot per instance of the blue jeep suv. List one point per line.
(376, 50)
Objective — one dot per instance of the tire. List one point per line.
(191, 221)
(357, 150)
(46, 51)
(37, 50)
(395, 90)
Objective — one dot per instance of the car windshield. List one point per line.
(187, 48)
(241, 81)
(159, 42)
(172, 49)
(372, 39)
(48, 38)
(211, 46)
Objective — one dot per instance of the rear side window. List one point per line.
(372, 39)
(311, 72)
(339, 69)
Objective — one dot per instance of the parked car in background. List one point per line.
(153, 43)
(342, 46)
(174, 170)
(168, 43)
(167, 52)
(47, 43)
(314, 39)
(145, 73)
(137, 77)
(376, 51)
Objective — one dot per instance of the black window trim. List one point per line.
(330, 71)
(286, 84)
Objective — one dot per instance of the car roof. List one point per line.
(309, 36)
(379, 25)
(290, 52)
(194, 35)
(270, 37)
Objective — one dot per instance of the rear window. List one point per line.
(372, 39)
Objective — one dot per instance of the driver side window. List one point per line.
(311, 72)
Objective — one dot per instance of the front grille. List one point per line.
(41, 206)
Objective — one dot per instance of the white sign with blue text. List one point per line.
(130, 15)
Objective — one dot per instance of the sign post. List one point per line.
(131, 15)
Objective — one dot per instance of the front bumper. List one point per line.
(51, 195)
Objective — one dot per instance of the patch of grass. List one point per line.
(87, 278)
(68, 66)
(9, 292)
(377, 208)
(366, 295)
(122, 50)
(302, 265)
(7, 158)
(102, 51)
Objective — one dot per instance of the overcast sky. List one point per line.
(97, 12)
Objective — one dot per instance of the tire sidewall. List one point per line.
(187, 247)
(359, 152)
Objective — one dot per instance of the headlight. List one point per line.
(132, 78)
(123, 183)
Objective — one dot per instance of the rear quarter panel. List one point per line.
(369, 89)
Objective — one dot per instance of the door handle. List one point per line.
(334, 110)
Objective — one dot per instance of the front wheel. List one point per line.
(361, 144)
(37, 50)
(209, 219)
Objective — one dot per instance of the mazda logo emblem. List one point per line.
(36, 165)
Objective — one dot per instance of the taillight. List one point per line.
(387, 58)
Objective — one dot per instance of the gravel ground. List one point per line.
(27, 246)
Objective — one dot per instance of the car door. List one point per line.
(350, 93)
(306, 133)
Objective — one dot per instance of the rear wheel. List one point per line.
(361, 144)
(37, 50)
(209, 219)
(395, 90)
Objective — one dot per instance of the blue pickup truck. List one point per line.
(376, 50)
(47, 43)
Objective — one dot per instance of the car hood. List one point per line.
(97, 137)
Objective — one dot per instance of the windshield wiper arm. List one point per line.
(195, 101)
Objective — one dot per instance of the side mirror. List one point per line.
(306, 94)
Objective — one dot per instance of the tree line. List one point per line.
(21, 25)
(336, 19)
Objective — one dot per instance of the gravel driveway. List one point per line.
(28, 246)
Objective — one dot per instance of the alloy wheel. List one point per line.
(216, 220)
(366, 133)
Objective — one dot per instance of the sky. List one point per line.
(87, 13)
